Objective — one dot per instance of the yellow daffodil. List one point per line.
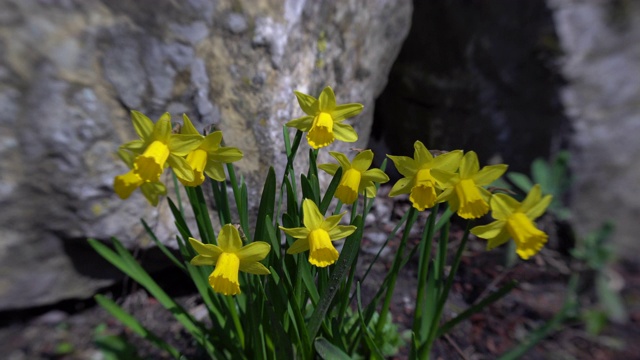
(229, 257)
(357, 178)
(463, 190)
(208, 157)
(126, 183)
(516, 220)
(158, 146)
(323, 122)
(418, 181)
(317, 235)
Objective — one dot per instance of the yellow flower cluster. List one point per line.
(458, 180)
(190, 155)
(453, 177)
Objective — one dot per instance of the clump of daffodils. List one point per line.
(190, 155)
(303, 249)
(453, 177)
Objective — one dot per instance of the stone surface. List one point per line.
(476, 75)
(70, 71)
(601, 46)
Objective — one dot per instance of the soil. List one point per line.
(73, 329)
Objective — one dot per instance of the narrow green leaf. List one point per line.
(331, 190)
(349, 251)
(520, 180)
(163, 248)
(375, 351)
(267, 206)
(135, 326)
(328, 351)
(504, 290)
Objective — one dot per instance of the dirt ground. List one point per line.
(71, 330)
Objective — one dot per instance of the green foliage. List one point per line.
(554, 178)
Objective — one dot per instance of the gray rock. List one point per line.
(601, 47)
(72, 71)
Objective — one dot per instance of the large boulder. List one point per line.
(601, 46)
(70, 72)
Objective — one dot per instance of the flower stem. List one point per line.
(395, 269)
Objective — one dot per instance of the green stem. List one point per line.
(423, 267)
(444, 293)
(236, 319)
(395, 269)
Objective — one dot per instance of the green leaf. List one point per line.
(375, 351)
(349, 251)
(134, 325)
(328, 351)
(163, 248)
(328, 196)
(520, 180)
(267, 207)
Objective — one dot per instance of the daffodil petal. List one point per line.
(229, 239)
(215, 170)
(303, 123)
(203, 260)
(342, 160)
(375, 175)
(136, 146)
(187, 126)
(253, 252)
(329, 168)
(368, 188)
(421, 154)
(489, 174)
(205, 249)
(162, 128)
(307, 103)
(469, 165)
(212, 141)
(341, 232)
(402, 186)
(449, 161)
(181, 167)
(488, 231)
(327, 100)
(332, 221)
(362, 161)
(181, 145)
(502, 206)
(536, 210)
(296, 233)
(312, 216)
(226, 154)
(499, 239)
(346, 111)
(446, 179)
(255, 268)
(405, 165)
(142, 124)
(298, 246)
(152, 191)
(344, 132)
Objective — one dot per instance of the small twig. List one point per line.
(493, 284)
(455, 346)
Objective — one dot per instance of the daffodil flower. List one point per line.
(323, 122)
(516, 220)
(208, 157)
(158, 146)
(418, 181)
(124, 185)
(357, 178)
(229, 257)
(317, 235)
(463, 190)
